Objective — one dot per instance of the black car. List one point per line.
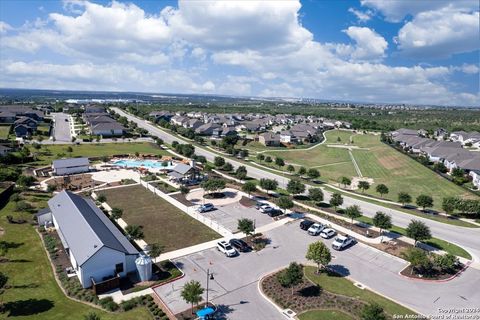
(274, 213)
(305, 224)
(240, 245)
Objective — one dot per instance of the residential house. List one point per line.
(70, 166)
(193, 124)
(207, 129)
(96, 248)
(475, 174)
(179, 120)
(269, 139)
(160, 115)
(4, 150)
(25, 126)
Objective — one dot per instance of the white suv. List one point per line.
(315, 229)
(226, 249)
(341, 242)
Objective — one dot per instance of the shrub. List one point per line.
(108, 304)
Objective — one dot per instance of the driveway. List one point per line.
(228, 216)
(61, 128)
(464, 237)
(234, 288)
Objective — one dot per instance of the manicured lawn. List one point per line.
(324, 315)
(34, 293)
(434, 242)
(382, 163)
(339, 285)
(52, 152)
(162, 222)
(4, 130)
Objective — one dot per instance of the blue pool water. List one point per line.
(152, 164)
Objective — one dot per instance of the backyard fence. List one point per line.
(191, 211)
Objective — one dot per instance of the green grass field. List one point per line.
(324, 315)
(380, 162)
(4, 130)
(339, 285)
(51, 152)
(34, 293)
(162, 222)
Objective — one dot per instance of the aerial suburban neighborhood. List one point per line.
(242, 160)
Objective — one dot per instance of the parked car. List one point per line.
(305, 224)
(341, 242)
(240, 245)
(206, 207)
(259, 204)
(327, 233)
(315, 229)
(274, 213)
(266, 209)
(225, 248)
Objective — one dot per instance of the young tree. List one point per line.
(101, 198)
(363, 185)
(219, 162)
(291, 276)
(184, 190)
(302, 171)
(353, 212)
(213, 185)
(241, 172)
(418, 259)
(227, 167)
(345, 181)
(290, 168)
(268, 159)
(260, 157)
(383, 221)
(279, 162)
(445, 262)
(313, 173)
(295, 186)
(315, 194)
(155, 250)
(246, 226)
(404, 198)
(319, 253)
(134, 231)
(249, 187)
(25, 181)
(418, 231)
(336, 200)
(51, 188)
(116, 213)
(268, 184)
(449, 204)
(382, 189)
(192, 292)
(373, 311)
(285, 203)
(424, 201)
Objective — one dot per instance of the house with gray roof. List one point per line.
(70, 166)
(96, 248)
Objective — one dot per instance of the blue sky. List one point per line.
(417, 52)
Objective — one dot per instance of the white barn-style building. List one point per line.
(70, 166)
(96, 248)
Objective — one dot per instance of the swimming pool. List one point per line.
(151, 164)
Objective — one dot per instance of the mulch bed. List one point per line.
(247, 202)
(394, 247)
(410, 272)
(74, 182)
(181, 198)
(308, 296)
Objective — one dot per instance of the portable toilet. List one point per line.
(144, 267)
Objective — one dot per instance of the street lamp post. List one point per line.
(209, 277)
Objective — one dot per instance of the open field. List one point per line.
(34, 293)
(4, 130)
(51, 152)
(162, 222)
(381, 162)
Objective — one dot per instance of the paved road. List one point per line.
(468, 238)
(61, 128)
(234, 288)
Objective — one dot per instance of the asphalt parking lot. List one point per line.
(234, 288)
(228, 215)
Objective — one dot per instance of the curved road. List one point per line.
(467, 238)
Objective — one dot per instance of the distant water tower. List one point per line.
(144, 267)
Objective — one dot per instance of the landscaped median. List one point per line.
(326, 294)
